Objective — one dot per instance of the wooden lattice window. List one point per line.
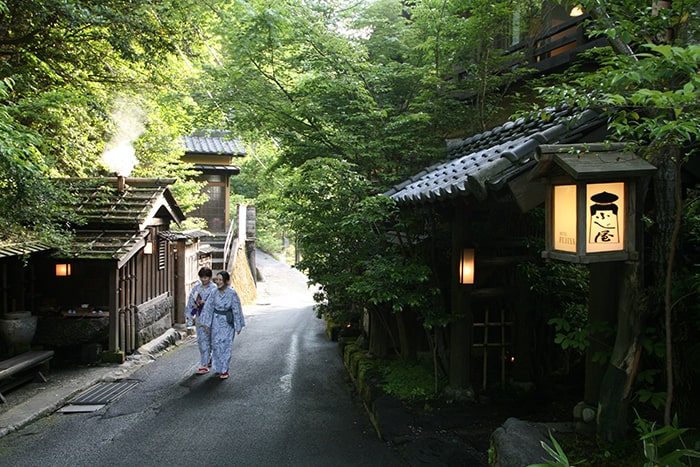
(492, 334)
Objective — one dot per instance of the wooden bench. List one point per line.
(23, 368)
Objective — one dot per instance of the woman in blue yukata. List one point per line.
(199, 295)
(222, 317)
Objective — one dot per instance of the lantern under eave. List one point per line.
(466, 266)
(590, 204)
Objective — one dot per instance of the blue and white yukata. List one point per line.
(192, 310)
(217, 311)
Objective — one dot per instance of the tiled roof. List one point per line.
(213, 142)
(100, 203)
(488, 160)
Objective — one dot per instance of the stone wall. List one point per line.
(153, 318)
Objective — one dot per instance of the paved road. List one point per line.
(287, 403)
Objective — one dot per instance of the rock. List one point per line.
(61, 332)
(588, 414)
(517, 443)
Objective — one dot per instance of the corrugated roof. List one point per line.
(214, 142)
(488, 160)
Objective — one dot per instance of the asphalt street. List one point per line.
(288, 402)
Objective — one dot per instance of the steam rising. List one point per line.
(119, 154)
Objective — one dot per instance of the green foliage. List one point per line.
(557, 286)
(648, 380)
(355, 104)
(64, 65)
(260, 185)
(408, 381)
(559, 457)
(665, 445)
(467, 38)
(651, 97)
(592, 451)
(574, 332)
(340, 230)
(638, 23)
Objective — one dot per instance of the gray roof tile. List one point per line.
(213, 142)
(486, 161)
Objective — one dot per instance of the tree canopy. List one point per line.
(63, 68)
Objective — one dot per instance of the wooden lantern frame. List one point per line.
(582, 166)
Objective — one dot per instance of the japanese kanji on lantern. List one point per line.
(590, 201)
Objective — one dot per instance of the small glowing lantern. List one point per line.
(590, 201)
(148, 248)
(466, 266)
(63, 270)
(577, 10)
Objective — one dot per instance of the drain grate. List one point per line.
(104, 393)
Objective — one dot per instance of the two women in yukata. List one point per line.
(221, 318)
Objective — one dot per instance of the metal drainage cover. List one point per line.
(96, 397)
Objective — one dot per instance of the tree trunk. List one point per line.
(406, 322)
(667, 204)
(618, 380)
(602, 307)
(668, 307)
(378, 335)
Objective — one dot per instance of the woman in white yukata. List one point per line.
(222, 317)
(199, 294)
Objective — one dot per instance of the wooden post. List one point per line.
(180, 294)
(617, 383)
(250, 239)
(113, 310)
(602, 307)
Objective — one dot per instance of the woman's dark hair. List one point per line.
(205, 272)
(224, 275)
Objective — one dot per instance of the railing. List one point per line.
(229, 259)
(555, 47)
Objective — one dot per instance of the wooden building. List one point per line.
(481, 191)
(212, 154)
(118, 266)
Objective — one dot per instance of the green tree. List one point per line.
(352, 113)
(650, 90)
(64, 64)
